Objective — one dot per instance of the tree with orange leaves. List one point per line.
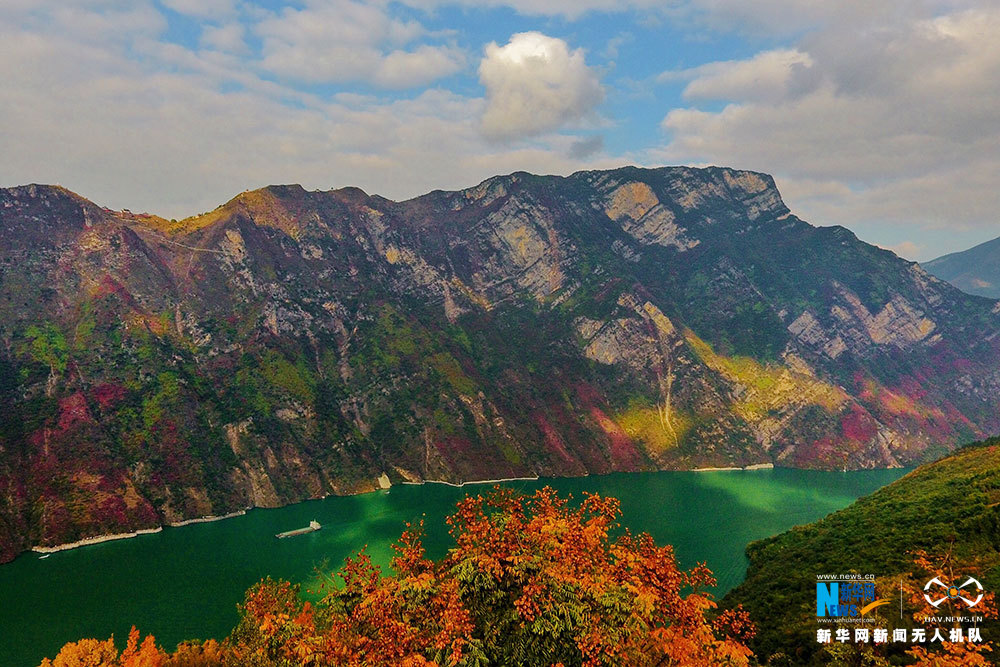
(952, 655)
(546, 583)
(946, 566)
(925, 565)
(95, 653)
(531, 580)
(84, 653)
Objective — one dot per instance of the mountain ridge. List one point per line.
(294, 343)
(975, 271)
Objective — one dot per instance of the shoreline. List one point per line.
(97, 539)
(207, 519)
(474, 481)
(754, 466)
(111, 537)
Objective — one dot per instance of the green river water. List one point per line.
(185, 582)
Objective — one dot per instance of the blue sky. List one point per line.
(882, 117)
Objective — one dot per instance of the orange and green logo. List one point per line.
(846, 598)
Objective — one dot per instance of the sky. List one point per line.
(883, 117)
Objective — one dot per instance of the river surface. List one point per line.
(185, 582)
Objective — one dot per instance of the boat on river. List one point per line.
(311, 528)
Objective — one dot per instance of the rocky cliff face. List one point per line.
(291, 344)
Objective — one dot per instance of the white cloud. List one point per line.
(881, 116)
(906, 249)
(205, 9)
(878, 115)
(424, 64)
(784, 18)
(534, 84)
(613, 45)
(113, 21)
(767, 75)
(571, 9)
(586, 146)
(228, 38)
(762, 17)
(129, 120)
(342, 40)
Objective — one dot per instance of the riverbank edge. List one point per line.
(755, 466)
(209, 518)
(459, 485)
(99, 539)
(111, 537)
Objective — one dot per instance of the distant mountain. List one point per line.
(976, 270)
(942, 515)
(291, 344)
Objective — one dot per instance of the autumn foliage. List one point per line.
(94, 653)
(952, 654)
(921, 614)
(530, 581)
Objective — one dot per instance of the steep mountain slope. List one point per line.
(948, 510)
(291, 344)
(976, 270)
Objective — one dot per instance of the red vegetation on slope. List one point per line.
(857, 424)
(108, 394)
(73, 411)
(625, 455)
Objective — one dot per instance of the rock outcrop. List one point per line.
(291, 344)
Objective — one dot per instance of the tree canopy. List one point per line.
(531, 580)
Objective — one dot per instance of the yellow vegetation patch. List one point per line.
(188, 225)
(261, 205)
(446, 365)
(641, 422)
(266, 209)
(131, 496)
(391, 255)
(924, 328)
(897, 404)
(768, 387)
